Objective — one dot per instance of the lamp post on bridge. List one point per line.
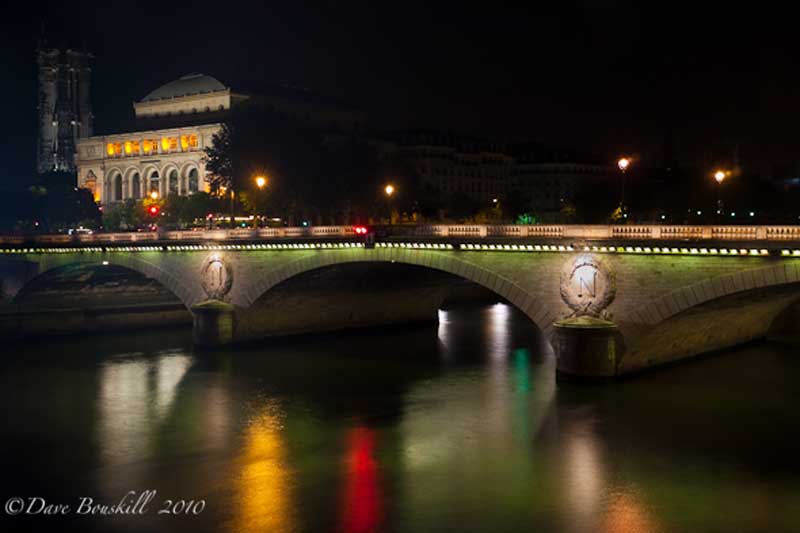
(261, 183)
(720, 176)
(623, 163)
(389, 190)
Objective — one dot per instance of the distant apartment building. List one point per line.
(485, 170)
(551, 179)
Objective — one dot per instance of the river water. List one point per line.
(459, 427)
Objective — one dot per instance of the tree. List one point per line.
(255, 141)
(461, 207)
(127, 215)
(310, 174)
(49, 202)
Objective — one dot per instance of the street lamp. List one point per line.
(720, 176)
(154, 195)
(389, 190)
(261, 182)
(623, 163)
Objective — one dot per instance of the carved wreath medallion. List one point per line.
(587, 286)
(216, 277)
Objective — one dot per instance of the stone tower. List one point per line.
(65, 113)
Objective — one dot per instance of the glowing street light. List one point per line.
(623, 163)
(261, 182)
(389, 190)
(154, 195)
(720, 176)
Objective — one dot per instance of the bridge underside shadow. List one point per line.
(356, 295)
(90, 297)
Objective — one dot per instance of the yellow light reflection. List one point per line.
(627, 514)
(584, 479)
(264, 491)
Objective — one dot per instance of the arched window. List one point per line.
(155, 182)
(136, 186)
(173, 182)
(117, 184)
(194, 181)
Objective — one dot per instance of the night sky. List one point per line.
(601, 77)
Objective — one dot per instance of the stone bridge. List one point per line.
(612, 300)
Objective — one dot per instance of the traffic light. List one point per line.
(360, 230)
(154, 210)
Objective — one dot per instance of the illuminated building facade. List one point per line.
(167, 160)
(174, 124)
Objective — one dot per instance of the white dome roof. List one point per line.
(185, 86)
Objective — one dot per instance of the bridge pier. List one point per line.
(213, 323)
(586, 348)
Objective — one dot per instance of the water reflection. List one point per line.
(263, 476)
(472, 426)
(362, 507)
(461, 427)
(135, 395)
(584, 476)
(627, 514)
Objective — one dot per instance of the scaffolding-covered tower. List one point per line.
(65, 113)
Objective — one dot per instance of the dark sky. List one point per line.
(602, 77)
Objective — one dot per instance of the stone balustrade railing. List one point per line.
(448, 231)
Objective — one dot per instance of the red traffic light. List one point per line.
(153, 210)
(360, 230)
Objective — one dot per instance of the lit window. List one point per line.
(193, 141)
(184, 142)
(131, 147)
(114, 149)
(149, 146)
(169, 144)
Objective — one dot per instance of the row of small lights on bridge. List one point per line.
(598, 249)
(190, 247)
(420, 246)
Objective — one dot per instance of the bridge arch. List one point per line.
(530, 305)
(712, 314)
(49, 263)
(679, 300)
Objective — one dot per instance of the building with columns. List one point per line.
(175, 123)
(168, 159)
